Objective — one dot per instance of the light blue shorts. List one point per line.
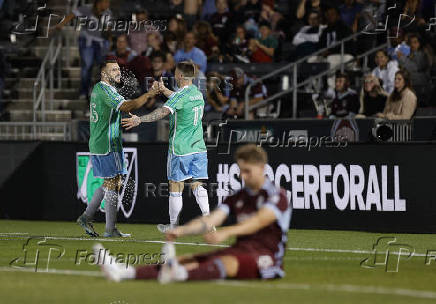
(109, 165)
(180, 168)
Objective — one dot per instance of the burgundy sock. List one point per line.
(210, 270)
(148, 272)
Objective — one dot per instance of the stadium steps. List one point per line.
(27, 93)
(67, 83)
(40, 51)
(58, 104)
(50, 115)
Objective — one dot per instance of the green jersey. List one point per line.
(105, 119)
(186, 129)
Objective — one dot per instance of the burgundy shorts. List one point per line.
(247, 260)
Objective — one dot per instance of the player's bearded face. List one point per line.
(114, 74)
(251, 173)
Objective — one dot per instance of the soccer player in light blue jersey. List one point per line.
(187, 154)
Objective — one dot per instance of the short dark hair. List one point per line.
(340, 74)
(158, 54)
(109, 59)
(251, 153)
(187, 68)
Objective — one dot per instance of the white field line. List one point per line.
(359, 289)
(55, 271)
(362, 289)
(203, 244)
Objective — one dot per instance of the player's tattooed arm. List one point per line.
(134, 121)
(157, 114)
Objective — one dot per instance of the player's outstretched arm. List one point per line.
(136, 103)
(261, 219)
(164, 90)
(134, 120)
(200, 225)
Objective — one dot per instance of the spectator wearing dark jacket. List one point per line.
(345, 101)
(336, 31)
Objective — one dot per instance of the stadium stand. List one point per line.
(42, 75)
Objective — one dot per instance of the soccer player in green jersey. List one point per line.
(105, 145)
(187, 154)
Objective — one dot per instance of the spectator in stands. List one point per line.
(306, 7)
(263, 49)
(335, 31)
(205, 38)
(169, 47)
(93, 45)
(158, 71)
(372, 97)
(208, 9)
(269, 15)
(240, 82)
(413, 9)
(350, 13)
(307, 39)
(250, 10)
(191, 12)
(190, 52)
(176, 7)
(385, 70)
(239, 45)
(345, 101)
(402, 103)
(221, 21)
(397, 42)
(418, 66)
(216, 101)
(371, 13)
(138, 37)
(178, 27)
(154, 41)
(127, 58)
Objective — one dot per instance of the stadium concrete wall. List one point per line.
(368, 187)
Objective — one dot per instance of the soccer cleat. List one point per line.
(112, 270)
(116, 233)
(87, 225)
(165, 228)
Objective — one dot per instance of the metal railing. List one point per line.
(402, 130)
(46, 74)
(60, 131)
(293, 69)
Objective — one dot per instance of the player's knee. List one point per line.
(231, 265)
(176, 187)
(195, 185)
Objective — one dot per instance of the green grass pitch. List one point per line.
(321, 267)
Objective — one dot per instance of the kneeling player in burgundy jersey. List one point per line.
(263, 216)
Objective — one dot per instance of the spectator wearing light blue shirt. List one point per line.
(190, 52)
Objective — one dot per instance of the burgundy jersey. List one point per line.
(269, 243)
